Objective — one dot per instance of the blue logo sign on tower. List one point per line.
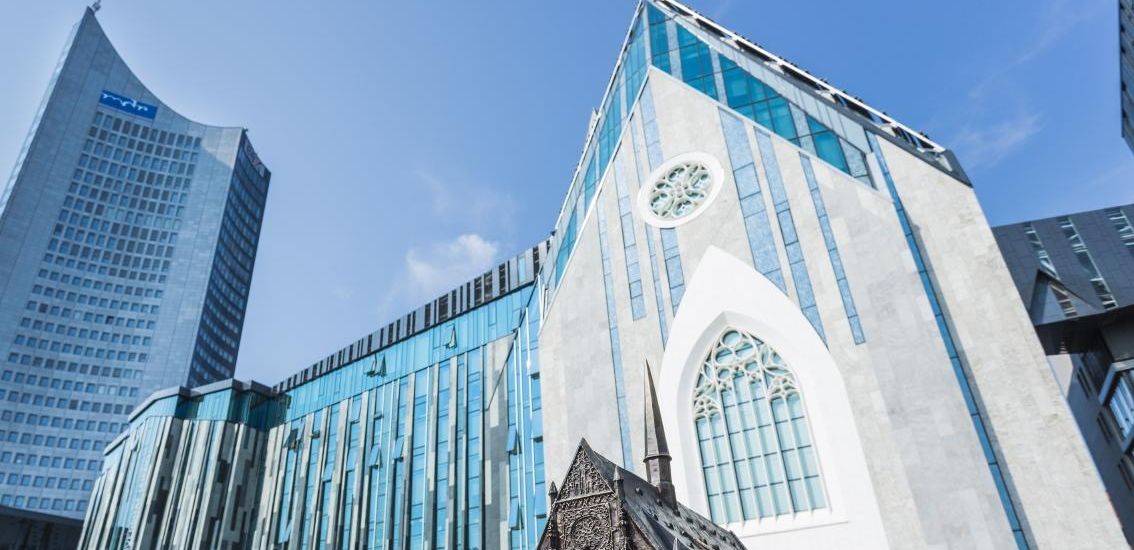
(129, 105)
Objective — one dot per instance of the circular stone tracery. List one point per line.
(588, 532)
(680, 189)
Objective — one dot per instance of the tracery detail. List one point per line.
(739, 354)
(591, 530)
(680, 190)
(753, 436)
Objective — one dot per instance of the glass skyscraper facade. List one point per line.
(128, 235)
(1126, 67)
(840, 354)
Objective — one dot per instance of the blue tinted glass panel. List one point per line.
(659, 41)
(696, 63)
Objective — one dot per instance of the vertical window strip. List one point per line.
(292, 452)
(673, 272)
(375, 466)
(396, 502)
(440, 450)
(799, 276)
(959, 370)
(1062, 297)
(650, 128)
(474, 491)
(1039, 250)
(350, 472)
(659, 39)
(833, 251)
(309, 497)
(1123, 227)
(518, 485)
(652, 248)
(326, 504)
(533, 475)
(527, 376)
(615, 344)
(757, 227)
(647, 100)
(1098, 282)
(629, 246)
(515, 444)
(670, 251)
(460, 468)
(696, 62)
(526, 510)
(423, 397)
(635, 62)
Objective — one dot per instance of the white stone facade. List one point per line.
(901, 460)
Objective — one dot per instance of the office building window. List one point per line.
(1102, 289)
(1123, 227)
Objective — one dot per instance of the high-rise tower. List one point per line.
(1126, 67)
(128, 235)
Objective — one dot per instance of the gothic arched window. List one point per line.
(752, 433)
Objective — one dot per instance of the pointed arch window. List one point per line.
(755, 444)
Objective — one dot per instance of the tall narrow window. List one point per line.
(755, 444)
(1123, 226)
(1038, 248)
(1084, 257)
(1060, 292)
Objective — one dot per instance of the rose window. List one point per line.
(680, 189)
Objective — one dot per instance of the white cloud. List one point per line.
(342, 293)
(481, 217)
(1059, 17)
(986, 146)
(445, 265)
(428, 271)
(723, 8)
(1055, 19)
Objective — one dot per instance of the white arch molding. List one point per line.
(727, 292)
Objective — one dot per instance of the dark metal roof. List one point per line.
(663, 526)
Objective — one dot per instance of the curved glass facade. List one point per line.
(411, 442)
(129, 234)
(404, 445)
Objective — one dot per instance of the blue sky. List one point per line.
(412, 144)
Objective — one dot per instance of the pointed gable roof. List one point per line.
(661, 526)
(906, 136)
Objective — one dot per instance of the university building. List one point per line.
(128, 235)
(841, 356)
